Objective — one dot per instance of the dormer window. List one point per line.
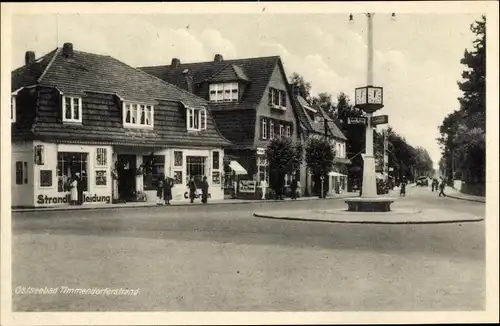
(13, 108)
(277, 99)
(196, 119)
(138, 115)
(223, 92)
(72, 109)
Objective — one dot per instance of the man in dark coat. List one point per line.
(159, 191)
(441, 188)
(192, 188)
(204, 190)
(168, 183)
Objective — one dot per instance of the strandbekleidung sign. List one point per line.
(46, 199)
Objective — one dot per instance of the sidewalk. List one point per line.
(455, 194)
(184, 203)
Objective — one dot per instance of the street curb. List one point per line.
(300, 219)
(87, 208)
(467, 199)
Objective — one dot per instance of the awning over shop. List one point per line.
(237, 168)
(336, 174)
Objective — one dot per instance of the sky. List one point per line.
(417, 56)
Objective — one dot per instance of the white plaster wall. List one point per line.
(22, 195)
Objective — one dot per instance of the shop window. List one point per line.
(72, 109)
(271, 129)
(101, 178)
(195, 167)
(215, 160)
(45, 178)
(216, 178)
(288, 130)
(39, 155)
(68, 165)
(177, 177)
(21, 173)
(101, 158)
(137, 115)
(156, 172)
(196, 119)
(177, 158)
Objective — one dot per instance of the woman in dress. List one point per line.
(73, 187)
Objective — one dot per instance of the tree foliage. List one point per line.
(462, 132)
(284, 157)
(319, 157)
(304, 87)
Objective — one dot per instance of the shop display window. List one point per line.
(68, 164)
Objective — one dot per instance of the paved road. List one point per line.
(220, 258)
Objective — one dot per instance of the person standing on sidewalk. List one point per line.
(159, 191)
(192, 189)
(403, 189)
(204, 190)
(293, 187)
(441, 188)
(263, 186)
(79, 188)
(73, 191)
(167, 190)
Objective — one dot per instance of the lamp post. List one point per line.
(369, 99)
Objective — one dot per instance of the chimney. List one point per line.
(175, 63)
(29, 57)
(68, 50)
(189, 80)
(218, 58)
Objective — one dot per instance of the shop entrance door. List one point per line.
(127, 177)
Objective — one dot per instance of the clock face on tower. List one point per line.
(360, 96)
(375, 95)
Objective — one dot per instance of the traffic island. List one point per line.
(373, 204)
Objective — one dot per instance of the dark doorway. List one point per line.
(127, 177)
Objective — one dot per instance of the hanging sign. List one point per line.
(356, 121)
(380, 120)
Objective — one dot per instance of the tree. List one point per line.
(323, 100)
(304, 87)
(284, 157)
(319, 158)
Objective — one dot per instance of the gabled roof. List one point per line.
(312, 125)
(257, 70)
(229, 73)
(89, 75)
(88, 72)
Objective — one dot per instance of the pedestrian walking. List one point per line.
(293, 187)
(263, 186)
(73, 191)
(192, 189)
(167, 190)
(79, 188)
(441, 188)
(204, 190)
(403, 189)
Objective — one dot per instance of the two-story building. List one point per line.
(315, 123)
(249, 100)
(76, 112)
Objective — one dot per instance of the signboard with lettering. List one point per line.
(356, 121)
(247, 186)
(380, 120)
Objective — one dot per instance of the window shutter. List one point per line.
(204, 121)
(188, 117)
(261, 128)
(283, 98)
(270, 96)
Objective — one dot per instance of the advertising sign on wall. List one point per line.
(247, 186)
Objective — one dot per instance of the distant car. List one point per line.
(423, 182)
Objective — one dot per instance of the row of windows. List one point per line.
(134, 114)
(224, 92)
(270, 128)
